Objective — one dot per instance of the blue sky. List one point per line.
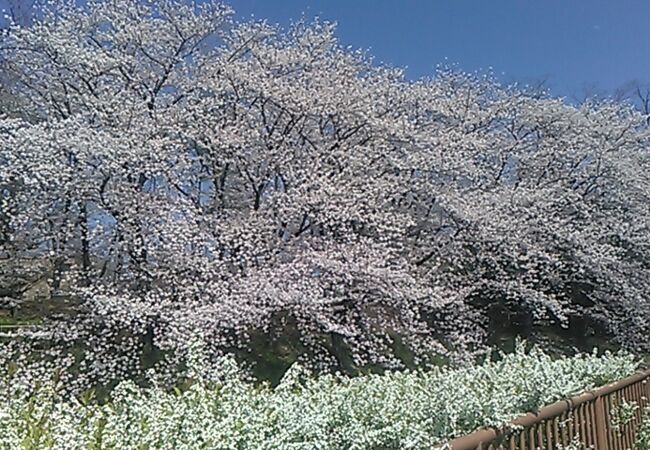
(573, 44)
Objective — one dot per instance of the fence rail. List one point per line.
(586, 418)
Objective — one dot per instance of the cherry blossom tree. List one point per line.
(227, 179)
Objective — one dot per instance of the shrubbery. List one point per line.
(397, 410)
(643, 438)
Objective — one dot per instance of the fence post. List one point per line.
(601, 425)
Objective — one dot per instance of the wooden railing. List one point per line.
(587, 419)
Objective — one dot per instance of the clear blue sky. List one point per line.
(573, 44)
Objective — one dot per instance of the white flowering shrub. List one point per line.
(397, 410)
(622, 414)
(574, 444)
(643, 436)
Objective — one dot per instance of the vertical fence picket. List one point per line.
(592, 423)
(588, 433)
(531, 438)
(608, 431)
(549, 439)
(580, 425)
(602, 441)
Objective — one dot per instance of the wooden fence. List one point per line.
(588, 418)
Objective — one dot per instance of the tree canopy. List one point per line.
(224, 179)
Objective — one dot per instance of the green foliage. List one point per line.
(622, 414)
(396, 410)
(643, 438)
